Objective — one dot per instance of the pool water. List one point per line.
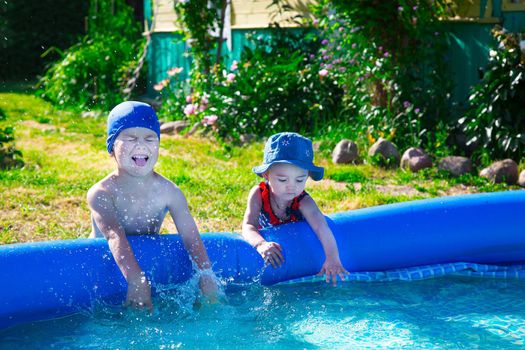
(441, 313)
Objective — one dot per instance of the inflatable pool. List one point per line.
(50, 279)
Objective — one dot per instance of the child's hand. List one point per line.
(272, 254)
(209, 289)
(139, 294)
(331, 269)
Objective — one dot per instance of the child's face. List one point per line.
(136, 150)
(286, 181)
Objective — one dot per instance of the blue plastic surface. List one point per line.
(50, 279)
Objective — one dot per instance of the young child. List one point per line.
(134, 199)
(288, 161)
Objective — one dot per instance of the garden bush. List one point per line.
(9, 155)
(495, 122)
(93, 72)
(345, 74)
(395, 81)
(274, 88)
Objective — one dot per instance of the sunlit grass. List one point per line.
(64, 155)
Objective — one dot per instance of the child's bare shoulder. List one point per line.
(255, 190)
(165, 184)
(101, 190)
(308, 204)
(254, 197)
(167, 188)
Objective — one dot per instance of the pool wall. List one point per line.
(50, 279)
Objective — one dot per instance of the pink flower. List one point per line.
(325, 42)
(161, 85)
(204, 99)
(174, 70)
(209, 120)
(323, 73)
(188, 99)
(190, 109)
(230, 77)
(233, 66)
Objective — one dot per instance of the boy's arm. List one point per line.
(180, 213)
(271, 252)
(332, 266)
(105, 217)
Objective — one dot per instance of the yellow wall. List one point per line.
(256, 14)
(244, 14)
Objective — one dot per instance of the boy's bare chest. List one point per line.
(140, 212)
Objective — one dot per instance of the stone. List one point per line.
(385, 153)
(247, 138)
(415, 159)
(502, 171)
(193, 129)
(345, 152)
(173, 127)
(455, 165)
(91, 114)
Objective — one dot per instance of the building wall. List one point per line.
(468, 36)
(245, 14)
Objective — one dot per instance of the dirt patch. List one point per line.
(457, 190)
(397, 190)
(40, 126)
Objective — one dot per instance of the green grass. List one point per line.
(64, 155)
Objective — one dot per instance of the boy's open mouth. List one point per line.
(140, 160)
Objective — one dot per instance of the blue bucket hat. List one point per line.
(130, 114)
(290, 148)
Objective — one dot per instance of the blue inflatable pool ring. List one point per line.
(50, 279)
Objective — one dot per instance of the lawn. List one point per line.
(64, 154)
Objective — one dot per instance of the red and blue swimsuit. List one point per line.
(267, 218)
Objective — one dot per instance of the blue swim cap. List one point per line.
(130, 114)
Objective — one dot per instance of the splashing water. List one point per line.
(443, 313)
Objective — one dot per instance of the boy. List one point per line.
(134, 199)
(288, 162)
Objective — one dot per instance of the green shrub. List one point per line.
(274, 88)
(395, 82)
(9, 155)
(93, 72)
(495, 122)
